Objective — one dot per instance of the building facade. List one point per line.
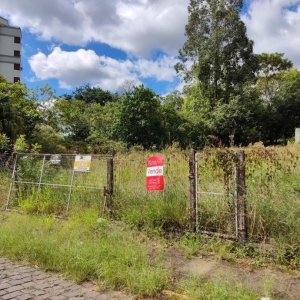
(10, 51)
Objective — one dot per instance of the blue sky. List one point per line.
(108, 43)
(32, 44)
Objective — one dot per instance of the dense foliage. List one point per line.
(231, 97)
(219, 49)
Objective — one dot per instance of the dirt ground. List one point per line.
(283, 285)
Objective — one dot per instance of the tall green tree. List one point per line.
(140, 119)
(102, 120)
(277, 89)
(270, 70)
(90, 95)
(18, 114)
(47, 138)
(287, 105)
(4, 142)
(217, 51)
(71, 119)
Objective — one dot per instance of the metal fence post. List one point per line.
(241, 200)
(70, 189)
(197, 194)
(193, 198)
(41, 173)
(13, 180)
(110, 183)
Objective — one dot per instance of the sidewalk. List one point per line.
(23, 282)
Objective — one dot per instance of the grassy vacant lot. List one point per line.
(272, 180)
(273, 193)
(86, 247)
(126, 250)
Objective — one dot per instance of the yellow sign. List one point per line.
(82, 163)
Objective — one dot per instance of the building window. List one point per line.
(17, 40)
(17, 53)
(17, 67)
(16, 79)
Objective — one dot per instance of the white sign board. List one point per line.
(155, 171)
(82, 163)
(55, 159)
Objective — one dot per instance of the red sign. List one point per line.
(155, 174)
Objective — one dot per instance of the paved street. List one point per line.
(23, 282)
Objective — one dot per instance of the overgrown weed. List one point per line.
(85, 247)
(258, 255)
(202, 288)
(272, 199)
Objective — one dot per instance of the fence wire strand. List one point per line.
(49, 184)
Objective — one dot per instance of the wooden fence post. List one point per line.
(110, 184)
(192, 179)
(241, 200)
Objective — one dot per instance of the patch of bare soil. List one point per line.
(283, 285)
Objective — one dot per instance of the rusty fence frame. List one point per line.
(241, 228)
(240, 205)
(107, 189)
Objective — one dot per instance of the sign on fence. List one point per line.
(82, 163)
(155, 174)
(59, 173)
(55, 159)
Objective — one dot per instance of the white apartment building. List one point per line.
(10, 51)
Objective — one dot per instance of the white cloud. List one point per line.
(138, 27)
(135, 26)
(77, 67)
(162, 69)
(274, 27)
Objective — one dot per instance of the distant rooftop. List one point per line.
(3, 21)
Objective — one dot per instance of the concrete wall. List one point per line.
(7, 45)
(8, 72)
(12, 31)
(7, 48)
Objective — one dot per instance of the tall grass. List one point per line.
(159, 211)
(4, 186)
(47, 188)
(216, 190)
(85, 247)
(89, 247)
(272, 180)
(273, 193)
(201, 288)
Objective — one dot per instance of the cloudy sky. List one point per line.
(67, 43)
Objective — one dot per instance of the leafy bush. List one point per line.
(4, 142)
(21, 144)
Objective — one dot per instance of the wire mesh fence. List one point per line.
(216, 205)
(5, 173)
(162, 210)
(270, 200)
(48, 183)
(273, 193)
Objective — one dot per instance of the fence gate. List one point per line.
(52, 183)
(217, 185)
